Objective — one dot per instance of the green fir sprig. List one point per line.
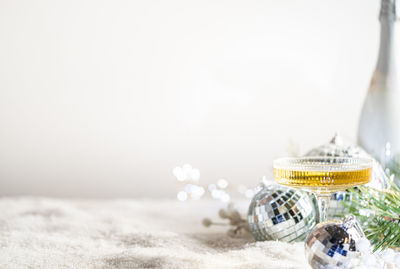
(379, 214)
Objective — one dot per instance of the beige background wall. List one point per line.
(105, 98)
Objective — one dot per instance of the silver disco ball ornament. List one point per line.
(333, 244)
(339, 148)
(280, 213)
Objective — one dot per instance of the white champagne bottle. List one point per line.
(379, 127)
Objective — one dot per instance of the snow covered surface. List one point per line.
(53, 233)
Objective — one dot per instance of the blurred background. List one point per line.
(105, 98)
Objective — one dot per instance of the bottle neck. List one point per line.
(389, 10)
(386, 47)
(389, 35)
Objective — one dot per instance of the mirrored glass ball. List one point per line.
(337, 147)
(333, 244)
(280, 213)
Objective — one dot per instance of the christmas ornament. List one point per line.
(338, 148)
(334, 244)
(280, 213)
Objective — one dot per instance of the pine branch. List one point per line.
(379, 214)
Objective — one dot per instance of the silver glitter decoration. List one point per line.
(338, 148)
(280, 213)
(333, 244)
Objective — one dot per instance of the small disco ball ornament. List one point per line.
(338, 148)
(280, 213)
(333, 244)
